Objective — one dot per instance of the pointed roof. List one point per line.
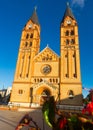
(68, 12)
(34, 17)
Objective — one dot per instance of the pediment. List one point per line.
(47, 55)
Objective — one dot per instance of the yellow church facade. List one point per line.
(44, 74)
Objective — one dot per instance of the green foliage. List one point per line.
(48, 110)
(66, 121)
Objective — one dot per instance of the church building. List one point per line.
(44, 74)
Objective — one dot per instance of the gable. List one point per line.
(47, 55)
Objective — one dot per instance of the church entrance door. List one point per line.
(44, 96)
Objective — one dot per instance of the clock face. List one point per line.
(46, 69)
(30, 26)
(68, 21)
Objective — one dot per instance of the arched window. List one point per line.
(72, 32)
(27, 36)
(35, 80)
(75, 75)
(20, 91)
(50, 80)
(66, 75)
(29, 57)
(27, 75)
(31, 36)
(41, 80)
(72, 41)
(26, 44)
(71, 94)
(67, 33)
(56, 80)
(67, 41)
(20, 75)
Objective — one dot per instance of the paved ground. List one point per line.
(9, 119)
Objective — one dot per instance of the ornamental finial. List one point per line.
(67, 3)
(47, 45)
(35, 8)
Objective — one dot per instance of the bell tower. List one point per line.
(29, 48)
(70, 77)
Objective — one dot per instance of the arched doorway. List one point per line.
(44, 96)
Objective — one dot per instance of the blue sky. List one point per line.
(15, 13)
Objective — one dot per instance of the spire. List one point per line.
(68, 12)
(34, 17)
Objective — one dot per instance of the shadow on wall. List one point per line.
(76, 100)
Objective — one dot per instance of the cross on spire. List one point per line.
(35, 8)
(67, 3)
